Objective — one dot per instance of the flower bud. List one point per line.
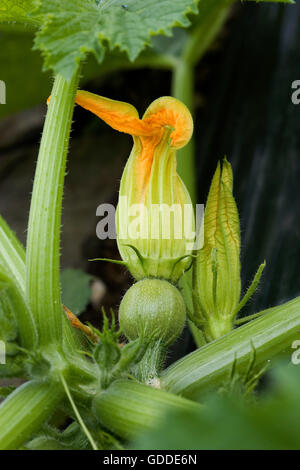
(217, 270)
(217, 282)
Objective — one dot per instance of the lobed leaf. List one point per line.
(72, 29)
(17, 11)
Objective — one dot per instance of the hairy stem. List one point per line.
(211, 365)
(43, 242)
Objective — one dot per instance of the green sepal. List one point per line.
(251, 289)
(109, 260)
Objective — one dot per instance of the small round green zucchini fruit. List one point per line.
(153, 308)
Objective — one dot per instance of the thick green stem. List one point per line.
(43, 242)
(211, 365)
(211, 18)
(128, 408)
(25, 410)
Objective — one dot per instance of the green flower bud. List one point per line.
(153, 308)
(217, 280)
(217, 272)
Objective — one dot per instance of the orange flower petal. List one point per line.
(164, 113)
(119, 115)
(169, 112)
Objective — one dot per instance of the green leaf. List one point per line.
(17, 11)
(71, 29)
(76, 290)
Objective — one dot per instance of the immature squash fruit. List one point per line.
(153, 307)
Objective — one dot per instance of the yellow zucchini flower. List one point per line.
(155, 219)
